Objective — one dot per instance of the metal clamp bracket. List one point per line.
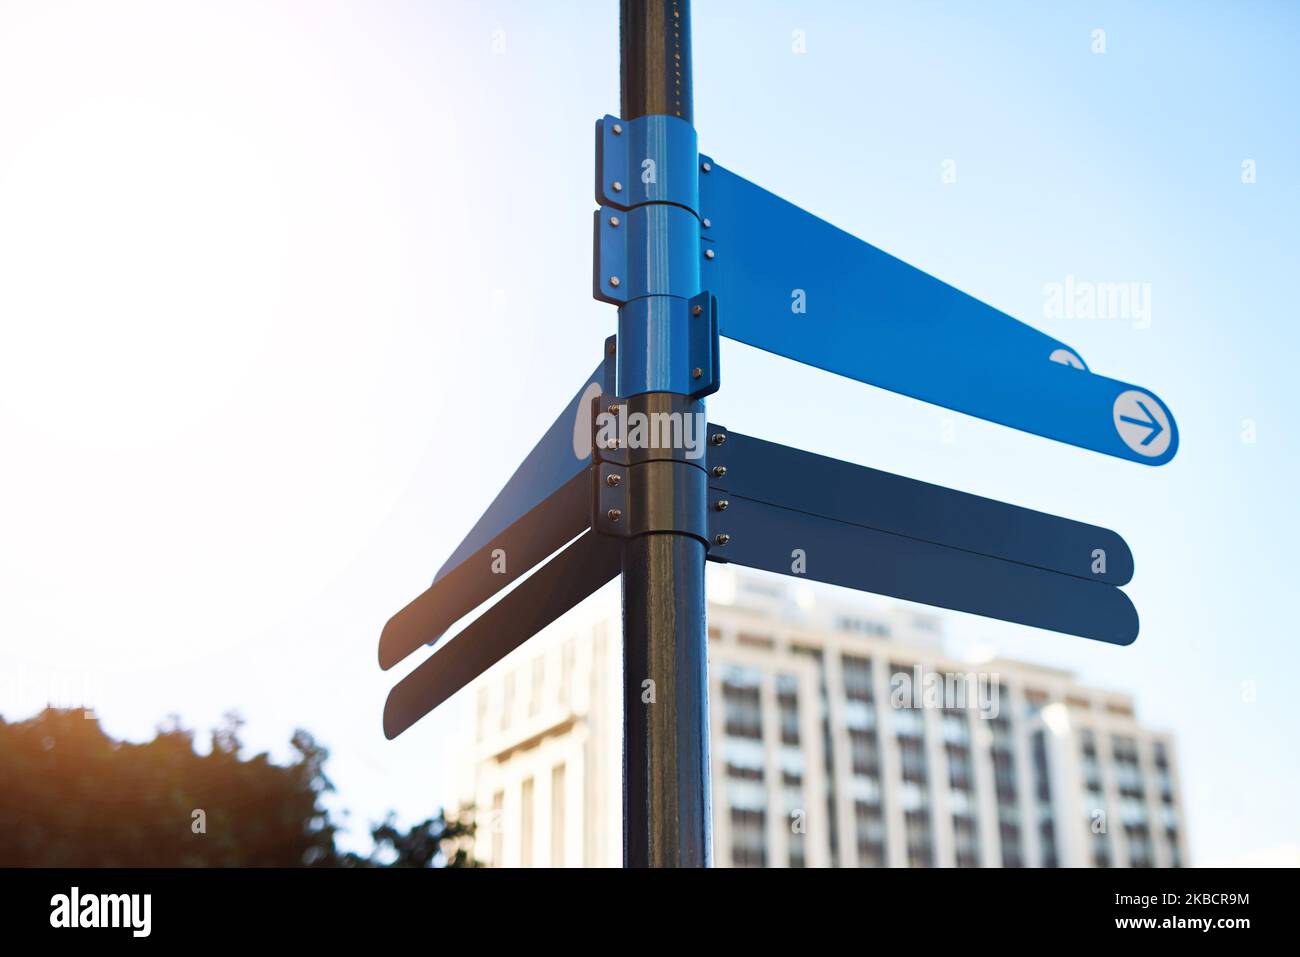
(685, 333)
(670, 496)
(652, 159)
(652, 427)
(666, 242)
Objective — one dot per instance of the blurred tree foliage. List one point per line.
(72, 796)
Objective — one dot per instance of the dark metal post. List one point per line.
(666, 803)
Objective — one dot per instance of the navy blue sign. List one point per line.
(792, 512)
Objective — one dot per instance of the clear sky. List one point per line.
(286, 290)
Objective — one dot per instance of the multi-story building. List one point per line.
(842, 735)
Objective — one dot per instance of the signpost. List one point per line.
(631, 480)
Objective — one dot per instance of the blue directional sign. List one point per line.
(544, 505)
(556, 587)
(687, 251)
(792, 284)
(563, 452)
(795, 513)
(791, 478)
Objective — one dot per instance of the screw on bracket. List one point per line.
(614, 514)
(613, 479)
(719, 471)
(717, 438)
(721, 504)
(722, 538)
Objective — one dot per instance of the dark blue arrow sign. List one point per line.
(559, 585)
(563, 452)
(796, 513)
(844, 492)
(544, 505)
(767, 537)
(792, 284)
(515, 550)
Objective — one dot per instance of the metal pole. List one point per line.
(666, 804)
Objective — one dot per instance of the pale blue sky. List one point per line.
(287, 291)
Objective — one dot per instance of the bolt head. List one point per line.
(613, 410)
(719, 471)
(618, 187)
(707, 222)
(721, 504)
(618, 128)
(707, 167)
(722, 538)
(696, 310)
(697, 372)
(613, 221)
(614, 514)
(708, 254)
(717, 438)
(613, 479)
(615, 281)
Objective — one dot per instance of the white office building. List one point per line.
(842, 736)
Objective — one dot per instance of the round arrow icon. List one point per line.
(1142, 423)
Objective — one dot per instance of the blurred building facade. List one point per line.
(842, 736)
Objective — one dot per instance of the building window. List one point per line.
(858, 683)
(1009, 832)
(862, 626)
(864, 754)
(870, 825)
(741, 703)
(526, 823)
(1035, 701)
(1128, 772)
(828, 751)
(1043, 789)
(748, 837)
(557, 816)
(495, 823)
(787, 701)
(1100, 845)
(917, 827)
(965, 840)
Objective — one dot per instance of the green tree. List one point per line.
(436, 842)
(72, 796)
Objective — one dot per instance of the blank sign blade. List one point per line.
(792, 284)
(807, 482)
(517, 549)
(559, 585)
(790, 542)
(563, 452)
